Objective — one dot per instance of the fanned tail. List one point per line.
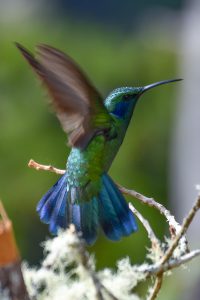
(52, 206)
(108, 209)
(115, 217)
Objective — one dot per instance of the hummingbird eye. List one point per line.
(127, 97)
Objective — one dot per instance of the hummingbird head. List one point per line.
(121, 101)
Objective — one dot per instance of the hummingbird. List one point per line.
(86, 195)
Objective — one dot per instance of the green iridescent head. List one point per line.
(121, 101)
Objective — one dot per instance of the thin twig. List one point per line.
(156, 288)
(155, 245)
(98, 287)
(174, 226)
(154, 240)
(158, 268)
(152, 203)
(33, 164)
(186, 223)
(169, 253)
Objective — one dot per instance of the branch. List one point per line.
(174, 226)
(154, 240)
(158, 268)
(186, 223)
(169, 253)
(33, 164)
(155, 244)
(152, 203)
(156, 288)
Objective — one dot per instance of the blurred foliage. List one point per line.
(125, 16)
(30, 130)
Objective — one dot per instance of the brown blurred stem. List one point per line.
(11, 279)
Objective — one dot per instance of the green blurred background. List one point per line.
(123, 43)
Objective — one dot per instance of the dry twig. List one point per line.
(186, 223)
(174, 225)
(155, 269)
(156, 288)
(33, 164)
(169, 253)
(154, 240)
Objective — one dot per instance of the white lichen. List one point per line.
(66, 273)
(69, 272)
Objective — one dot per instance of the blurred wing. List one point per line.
(78, 105)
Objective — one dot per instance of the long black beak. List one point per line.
(150, 86)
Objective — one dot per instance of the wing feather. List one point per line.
(78, 105)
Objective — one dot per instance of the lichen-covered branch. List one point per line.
(156, 288)
(157, 268)
(155, 243)
(174, 225)
(163, 265)
(67, 252)
(186, 223)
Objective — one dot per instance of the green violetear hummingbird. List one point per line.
(86, 195)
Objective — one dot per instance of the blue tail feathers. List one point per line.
(115, 217)
(52, 206)
(108, 209)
